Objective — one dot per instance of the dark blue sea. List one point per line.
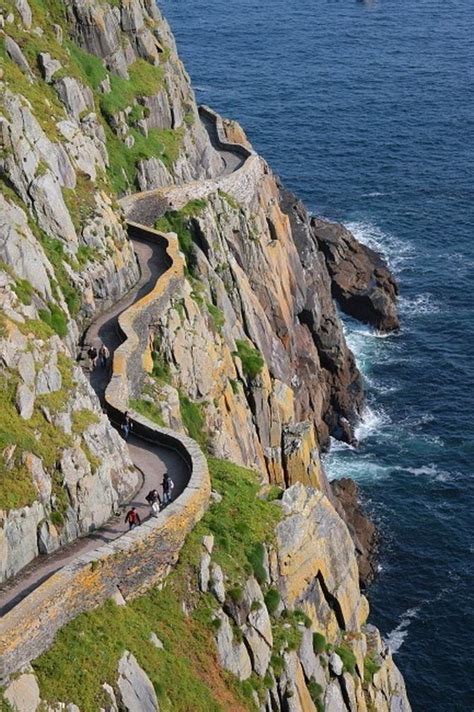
(366, 110)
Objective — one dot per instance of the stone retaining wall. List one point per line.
(144, 208)
(137, 559)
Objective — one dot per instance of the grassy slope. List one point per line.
(186, 674)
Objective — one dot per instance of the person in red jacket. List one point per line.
(132, 518)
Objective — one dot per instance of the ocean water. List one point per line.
(366, 110)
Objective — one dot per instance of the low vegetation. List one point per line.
(181, 222)
(185, 674)
(251, 358)
(148, 410)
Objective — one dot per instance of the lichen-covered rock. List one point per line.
(232, 654)
(23, 694)
(134, 687)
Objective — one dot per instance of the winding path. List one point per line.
(152, 460)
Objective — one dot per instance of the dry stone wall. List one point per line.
(141, 557)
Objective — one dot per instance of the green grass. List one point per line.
(185, 675)
(229, 200)
(252, 360)
(193, 419)
(319, 643)
(91, 67)
(16, 487)
(147, 409)
(371, 666)
(164, 144)
(256, 556)
(348, 658)
(315, 692)
(83, 419)
(217, 317)
(145, 80)
(181, 222)
(272, 600)
(55, 318)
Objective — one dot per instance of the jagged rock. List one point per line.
(48, 66)
(152, 174)
(314, 547)
(233, 656)
(41, 479)
(362, 282)
(76, 97)
(217, 583)
(293, 690)
(311, 664)
(134, 686)
(362, 530)
(25, 401)
(118, 599)
(208, 543)
(25, 12)
(154, 640)
(204, 571)
(301, 461)
(50, 208)
(112, 707)
(15, 54)
(333, 699)
(23, 693)
(336, 665)
(48, 379)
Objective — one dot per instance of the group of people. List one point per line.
(103, 355)
(156, 502)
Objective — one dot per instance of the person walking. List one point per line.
(126, 425)
(104, 354)
(132, 518)
(168, 486)
(154, 500)
(92, 353)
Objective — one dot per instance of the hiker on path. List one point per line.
(104, 354)
(92, 353)
(132, 518)
(168, 486)
(126, 425)
(154, 500)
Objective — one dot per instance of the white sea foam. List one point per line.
(419, 304)
(372, 420)
(397, 252)
(397, 636)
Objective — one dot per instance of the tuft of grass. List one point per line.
(148, 410)
(54, 250)
(91, 67)
(272, 600)
(181, 222)
(145, 80)
(252, 360)
(193, 419)
(348, 658)
(23, 290)
(371, 666)
(315, 692)
(55, 318)
(319, 643)
(256, 557)
(83, 419)
(217, 317)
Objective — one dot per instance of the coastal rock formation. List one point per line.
(247, 356)
(362, 284)
(362, 529)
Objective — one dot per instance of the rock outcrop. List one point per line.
(361, 281)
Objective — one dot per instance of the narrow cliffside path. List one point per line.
(150, 459)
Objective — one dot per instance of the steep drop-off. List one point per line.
(249, 357)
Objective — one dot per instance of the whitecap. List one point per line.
(419, 304)
(395, 639)
(371, 420)
(397, 252)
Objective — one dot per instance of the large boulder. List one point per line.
(361, 281)
(134, 686)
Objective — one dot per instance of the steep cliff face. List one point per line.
(263, 613)
(250, 360)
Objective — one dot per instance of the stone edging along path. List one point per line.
(142, 557)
